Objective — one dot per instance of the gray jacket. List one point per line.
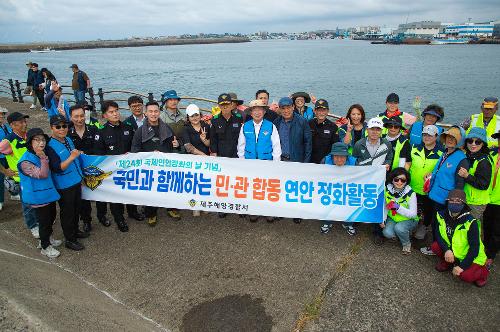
(383, 156)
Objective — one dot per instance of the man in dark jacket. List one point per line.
(324, 132)
(136, 106)
(153, 135)
(115, 138)
(37, 88)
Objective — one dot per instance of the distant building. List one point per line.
(496, 29)
(420, 29)
(470, 30)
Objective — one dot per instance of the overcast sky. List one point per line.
(49, 20)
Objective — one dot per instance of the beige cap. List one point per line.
(257, 103)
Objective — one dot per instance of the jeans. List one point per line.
(30, 218)
(400, 229)
(79, 97)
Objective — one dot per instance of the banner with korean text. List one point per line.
(256, 187)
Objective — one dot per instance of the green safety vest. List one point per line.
(18, 149)
(476, 120)
(495, 187)
(403, 201)
(384, 117)
(422, 166)
(397, 151)
(473, 195)
(459, 243)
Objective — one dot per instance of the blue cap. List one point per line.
(170, 94)
(477, 132)
(285, 101)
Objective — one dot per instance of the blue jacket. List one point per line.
(36, 191)
(73, 174)
(300, 138)
(443, 176)
(416, 133)
(263, 148)
(328, 160)
(52, 110)
(37, 79)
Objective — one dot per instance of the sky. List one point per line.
(69, 20)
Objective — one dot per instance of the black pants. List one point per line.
(425, 209)
(102, 209)
(86, 211)
(131, 209)
(69, 205)
(39, 94)
(150, 211)
(46, 216)
(491, 229)
(117, 210)
(434, 223)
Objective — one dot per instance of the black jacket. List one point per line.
(86, 142)
(113, 140)
(323, 136)
(145, 139)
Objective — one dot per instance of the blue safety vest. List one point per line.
(73, 174)
(416, 132)
(351, 161)
(262, 148)
(36, 191)
(52, 111)
(443, 176)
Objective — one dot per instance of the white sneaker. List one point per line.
(196, 213)
(427, 251)
(406, 249)
(32, 106)
(53, 243)
(35, 232)
(15, 197)
(1, 206)
(50, 252)
(420, 232)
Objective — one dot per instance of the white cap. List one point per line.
(192, 109)
(375, 123)
(3, 110)
(430, 130)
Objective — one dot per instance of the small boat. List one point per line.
(45, 50)
(449, 41)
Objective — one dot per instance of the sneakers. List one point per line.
(297, 220)
(349, 229)
(104, 221)
(174, 214)
(122, 225)
(35, 231)
(74, 245)
(378, 240)
(427, 251)
(325, 228)
(196, 213)
(53, 243)
(50, 252)
(153, 220)
(15, 197)
(420, 232)
(32, 107)
(406, 249)
(44, 109)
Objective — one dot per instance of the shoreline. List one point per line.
(62, 46)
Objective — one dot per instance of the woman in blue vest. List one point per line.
(478, 177)
(458, 242)
(445, 175)
(401, 208)
(339, 156)
(38, 188)
(67, 176)
(431, 115)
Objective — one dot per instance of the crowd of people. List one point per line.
(441, 182)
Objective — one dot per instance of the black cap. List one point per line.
(392, 98)
(457, 193)
(16, 116)
(32, 133)
(74, 66)
(395, 120)
(224, 98)
(57, 119)
(34, 64)
(321, 103)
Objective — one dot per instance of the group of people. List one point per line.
(441, 181)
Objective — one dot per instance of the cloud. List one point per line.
(32, 20)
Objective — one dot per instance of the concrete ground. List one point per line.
(211, 274)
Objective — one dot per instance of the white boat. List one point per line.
(449, 41)
(45, 50)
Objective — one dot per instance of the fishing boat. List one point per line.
(45, 50)
(449, 41)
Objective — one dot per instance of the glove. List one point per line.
(393, 206)
(427, 184)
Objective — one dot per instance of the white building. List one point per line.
(421, 29)
(470, 29)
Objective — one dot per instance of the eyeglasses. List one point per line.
(402, 180)
(61, 126)
(474, 141)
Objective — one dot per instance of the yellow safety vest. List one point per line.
(476, 120)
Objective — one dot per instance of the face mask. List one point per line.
(455, 207)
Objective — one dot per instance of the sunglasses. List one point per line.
(390, 126)
(402, 180)
(61, 126)
(474, 141)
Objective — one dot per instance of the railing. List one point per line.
(17, 93)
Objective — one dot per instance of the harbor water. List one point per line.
(344, 72)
